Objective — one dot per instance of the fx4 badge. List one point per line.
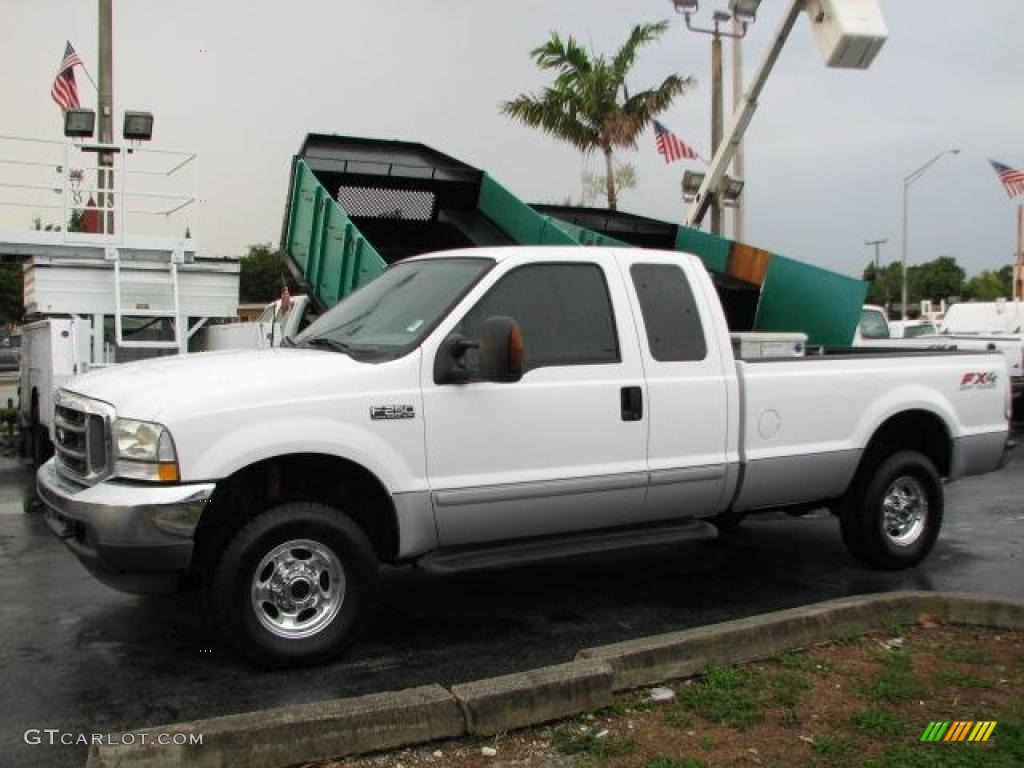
(985, 380)
(388, 412)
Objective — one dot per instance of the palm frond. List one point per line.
(640, 35)
(555, 113)
(566, 56)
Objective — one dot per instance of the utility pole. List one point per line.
(877, 244)
(106, 110)
(737, 97)
(717, 112)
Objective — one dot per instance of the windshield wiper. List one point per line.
(327, 343)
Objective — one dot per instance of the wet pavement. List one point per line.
(77, 656)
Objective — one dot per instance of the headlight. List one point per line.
(144, 451)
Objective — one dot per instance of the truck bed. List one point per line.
(806, 421)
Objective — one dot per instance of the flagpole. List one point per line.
(1017, 289)
(93, 82)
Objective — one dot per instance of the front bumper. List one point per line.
(131, 536)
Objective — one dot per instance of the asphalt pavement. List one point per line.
(82, 658)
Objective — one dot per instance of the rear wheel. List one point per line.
(293, 586)
(892, 519)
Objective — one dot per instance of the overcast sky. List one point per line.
(243, 82)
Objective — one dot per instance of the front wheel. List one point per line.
(293, 586)
(893, 519)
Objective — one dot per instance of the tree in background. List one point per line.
(989, 285)
(594, 184)
(588, 104)
(883, 283)
(260, 274)
(941, 278)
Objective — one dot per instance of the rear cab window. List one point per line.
(671, 319)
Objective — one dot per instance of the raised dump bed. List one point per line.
(356, 205)
(760, 291)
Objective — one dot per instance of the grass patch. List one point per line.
(834, 750)
(803, 663)
(570, 740)
(673, 762)
(878, 721)
(680, 719)
(961, 679)
(964, 655)
(725, 695)
(895, 681)
(894, 626)
(787, 687)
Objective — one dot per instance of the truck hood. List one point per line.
(149, 389)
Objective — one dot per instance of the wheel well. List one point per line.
(326, 479)
(917, 430)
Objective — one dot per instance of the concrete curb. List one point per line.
(654, 659)
(296, 734)
(538, 696)
(318, 731)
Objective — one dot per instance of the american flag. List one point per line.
(1012, 179)
(64, 90)
(670, 145)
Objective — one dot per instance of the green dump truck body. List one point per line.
(356, 205)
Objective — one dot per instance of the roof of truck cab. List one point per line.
(546, 252)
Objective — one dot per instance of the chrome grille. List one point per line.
(81, 439)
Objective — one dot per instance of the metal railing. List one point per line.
(146, 183)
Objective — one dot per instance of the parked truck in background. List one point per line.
(495, 406)
(270, 329)
(988, 326)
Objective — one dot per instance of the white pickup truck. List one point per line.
(490, 406)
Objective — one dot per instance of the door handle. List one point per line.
(632, 402)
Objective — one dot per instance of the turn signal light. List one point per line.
(167, 471)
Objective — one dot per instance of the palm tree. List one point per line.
(588, 104)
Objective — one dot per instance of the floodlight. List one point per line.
(138, 126)
(732, 189)
(745, 11)
(691, 183)
(79, 123)
(720, 17)
(685, 6)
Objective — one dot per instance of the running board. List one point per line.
(571, 545)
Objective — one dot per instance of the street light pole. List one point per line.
(717, 112)
(106, 111)
(743, 14)
(907, 181)
(737, 97)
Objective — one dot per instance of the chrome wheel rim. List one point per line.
(904, 510)
(298, 588)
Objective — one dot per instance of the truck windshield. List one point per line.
(390, 315)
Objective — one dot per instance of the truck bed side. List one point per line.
(806, 422)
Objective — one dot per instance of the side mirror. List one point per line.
(450, 365)
(502, 351)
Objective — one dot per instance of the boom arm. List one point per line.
(741, 118)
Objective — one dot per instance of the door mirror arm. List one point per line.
(450, 364)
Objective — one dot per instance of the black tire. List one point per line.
(863, 517)
(42, 448)
(727, 522)
(228, 591)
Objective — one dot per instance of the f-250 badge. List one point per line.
(389, 412)
(986, 380)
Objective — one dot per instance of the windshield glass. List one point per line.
(391, 314)
(873, 325)
(925, 329)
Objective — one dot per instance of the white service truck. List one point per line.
(270, 329)
(989, 326)
(495, 406)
